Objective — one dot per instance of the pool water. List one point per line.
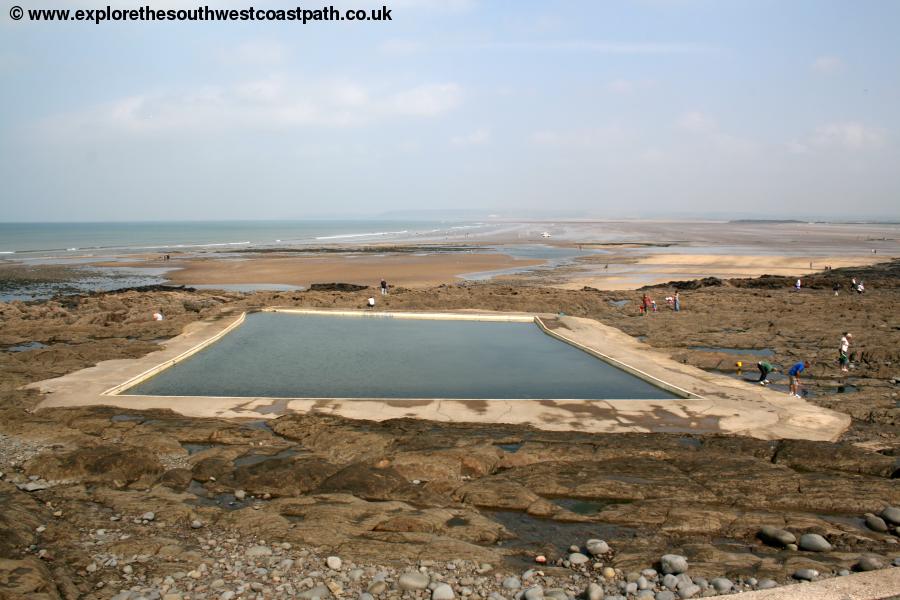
(310, 356)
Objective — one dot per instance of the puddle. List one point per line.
(126, 418)
(195, 448)
(619, 303)
(585, 507)
(457, 522)
(641, 338)
(248, 460)
(26, 347)
(552, 538)
(511, 448)
(224, 500)
(735, 351)
(262, 424)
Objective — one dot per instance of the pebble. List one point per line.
(148, 516)
(377, 588)
(875, 523)
(608, 573)
(722, 585)
(534, 593)
(512, 583)
(806, 574)
(869, 563)
(594, 591)
(766, 584)
(319, 591)
(577, 558)
(673, 563)
(413, 580)
(196, 524)
(442, 592)
(670, 581)
(334, 563)
(689, 591)
(597, 547)
(891, 514)
(258, 551)
(776, 537)
(814, 542)
(665, 595)
(240, 494)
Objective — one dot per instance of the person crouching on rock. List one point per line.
(764, 369)
(794, 374)
(371, 302)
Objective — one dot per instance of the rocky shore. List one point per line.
(97, 502)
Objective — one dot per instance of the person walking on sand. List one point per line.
(844, 353)
(677, 302)
(765, 368)
(645, 304)
(794, 374)
(384, 287)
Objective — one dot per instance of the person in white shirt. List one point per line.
(844, 357)
(158, 316)
(371, 302)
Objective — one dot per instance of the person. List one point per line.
(837, 288)
(844, 353)
(677, 302)
(158, 316)
(645, 303)
(384, 287)
(794, 374)
(860, 288)
(765, 368)
(797, 286)
(371, 302)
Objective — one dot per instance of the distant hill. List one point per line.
(766, 221)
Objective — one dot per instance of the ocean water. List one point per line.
(41, 240)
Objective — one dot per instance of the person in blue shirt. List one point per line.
(794, 374)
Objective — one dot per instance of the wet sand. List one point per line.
(399, 269)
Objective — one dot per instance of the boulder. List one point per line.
(813, 542)
(774, 536)
(673, 564)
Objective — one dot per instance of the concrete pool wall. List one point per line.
(708, 402)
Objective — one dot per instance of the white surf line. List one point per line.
(116, 390)
(618, 363)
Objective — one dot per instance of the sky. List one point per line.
(634, 108)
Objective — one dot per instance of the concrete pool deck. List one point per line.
(714, 403)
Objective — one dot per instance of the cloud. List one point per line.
(264, 104)
(255, 52)
(426, 100)
(599, 47)
(478, 137)
(827, 64)
(397, 47)
(590, 137)
(696, 122)
(628, 86)
(848, 136)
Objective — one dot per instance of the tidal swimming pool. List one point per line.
(282, 355)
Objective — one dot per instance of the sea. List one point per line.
(79, 245)
(68, 240)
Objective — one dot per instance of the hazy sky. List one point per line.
(776, 108)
